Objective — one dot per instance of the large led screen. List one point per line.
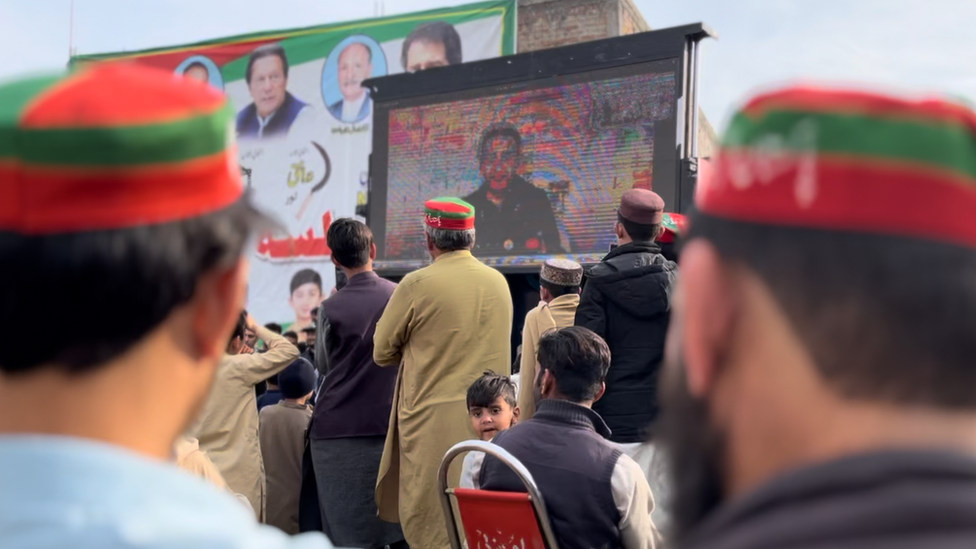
(544, 163)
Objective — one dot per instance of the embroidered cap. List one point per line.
(449, 213)
(562, 272)
(113, 146)
(848, 160)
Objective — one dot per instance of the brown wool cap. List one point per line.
(562, 272)
(642, 206)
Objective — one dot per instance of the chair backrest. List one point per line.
(495, 520)
(498, 520)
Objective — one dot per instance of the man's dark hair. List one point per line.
(888, 318)
(290, 333)
(557, 290)
(240, 329)
(196, 64)
(266, 50)
(506, 131)
(124, 281)
(434, 32)
(486, 389)
(639, 232)
(303, 277)
(369, 50)
(273, 327)
(577, 358)
(350, 242)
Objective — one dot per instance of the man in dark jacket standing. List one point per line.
(818, 387)
(627, 302)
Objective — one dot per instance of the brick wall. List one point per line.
(552, 23)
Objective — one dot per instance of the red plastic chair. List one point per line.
(495, 520)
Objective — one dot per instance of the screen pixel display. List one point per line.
(544, 167)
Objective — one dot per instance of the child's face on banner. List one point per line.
(305, 298)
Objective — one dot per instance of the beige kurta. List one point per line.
(228, 427)
(558, 313)
(283, 429)
(445, 324)
(195, 461)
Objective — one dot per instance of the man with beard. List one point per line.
(122, 189)
(819, 385)
(514, 217)
(596, 496)
(445, 324)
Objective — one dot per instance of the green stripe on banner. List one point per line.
(317, 49)
(944, 145)
(14, 97)
(131, 146)
(304, 47)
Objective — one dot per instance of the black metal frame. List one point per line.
(517, 72)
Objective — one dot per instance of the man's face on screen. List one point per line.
(499, 161)
(354, 67)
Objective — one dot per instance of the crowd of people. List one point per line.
(805, 381)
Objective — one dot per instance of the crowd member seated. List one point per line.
(595, 495)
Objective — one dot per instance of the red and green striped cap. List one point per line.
(848, 160)
(673, 224)
(113, 146)
(449, 213)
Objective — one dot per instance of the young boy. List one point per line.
(305, 294)
(282, 433)
(492, 409)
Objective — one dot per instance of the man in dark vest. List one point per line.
(274, 110)
(596, 496)
(819, 381)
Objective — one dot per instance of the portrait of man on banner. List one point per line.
(431, 45)
(355, 59)
(274, 109)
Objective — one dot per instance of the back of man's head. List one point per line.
(351, 243)
(577, 359)
(811, 307)
(155, 246)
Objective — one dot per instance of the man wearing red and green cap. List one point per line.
(444, 326)
(819, 386)
(122, 202)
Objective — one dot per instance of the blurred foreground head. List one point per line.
(827, 300)
(123, 206)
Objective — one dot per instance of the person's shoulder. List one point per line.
(533, 313)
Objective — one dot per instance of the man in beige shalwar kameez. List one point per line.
(445, 325)
(559, 289)
(228, 427)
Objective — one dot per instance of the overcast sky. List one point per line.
(913, 45)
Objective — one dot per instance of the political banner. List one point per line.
(304, 125)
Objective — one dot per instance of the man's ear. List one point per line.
(707, 306)
(548, 382)
(618, 229)
(372, 252)
(599, 394)
(216, 308)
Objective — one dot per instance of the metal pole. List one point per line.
(71, 30)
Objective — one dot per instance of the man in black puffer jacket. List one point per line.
(627, 301)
